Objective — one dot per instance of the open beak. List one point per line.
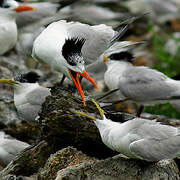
(8, 81)
(75, 79)
(91, 117)
(22, 8)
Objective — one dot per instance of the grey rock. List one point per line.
(118, 168)
(61, 159)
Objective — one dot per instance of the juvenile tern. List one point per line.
(8, 28)
(139, 138)
(67, 46)
(28, 94)
(9, 148)
(140, 84)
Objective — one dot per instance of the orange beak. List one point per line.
(75, 79)
(22, 8)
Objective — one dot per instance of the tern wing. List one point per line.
(9, 149)
(13, 146)
(97, 38)
(37, 96)
(156, 142)
(145, 84)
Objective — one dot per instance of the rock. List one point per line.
(66, 157)
(118, 168)
(62, 127)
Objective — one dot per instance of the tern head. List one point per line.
(15, 6)
(30, 77)
(74, 62)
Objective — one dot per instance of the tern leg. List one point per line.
(140, 110)
(62, 80)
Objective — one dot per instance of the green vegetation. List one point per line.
(169, 65)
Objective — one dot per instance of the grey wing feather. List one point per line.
(13, 146)
(156, 141)
(28, 112)
(143, 84)
(154, 150)
(97, 39)
(37, 96)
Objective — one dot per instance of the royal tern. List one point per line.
(28, 94)
(140, 84)
(8, 28)
(41, 10)
(9, 148)
(67, 46)
(139, 138)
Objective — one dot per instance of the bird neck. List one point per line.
(105, 126)
(24, 88)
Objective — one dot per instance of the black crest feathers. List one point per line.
(122, 56)
(30, 77)
(72, 46)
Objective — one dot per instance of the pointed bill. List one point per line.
(22, 8)
(76, 82)
(91, 117)
(75, 79)
(86, 76)
(8, 81)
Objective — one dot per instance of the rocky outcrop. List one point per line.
(60, 127)
(118, 168)
(62, 159)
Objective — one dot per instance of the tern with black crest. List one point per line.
(140, 84)
(28, 94)
(68, 46)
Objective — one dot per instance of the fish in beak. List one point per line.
(22, 8)
(75, 79)
(8, 81)
(91, 117)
